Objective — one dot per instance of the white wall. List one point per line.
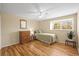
(0, 26)
(61, 34)
(78, 29)
(0, 31)
(11, 26)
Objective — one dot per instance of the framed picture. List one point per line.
(23, 24)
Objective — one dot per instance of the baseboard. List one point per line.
(9, 45)
(61, 42)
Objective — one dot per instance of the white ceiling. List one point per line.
(40, 11)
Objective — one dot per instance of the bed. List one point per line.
(46, 37)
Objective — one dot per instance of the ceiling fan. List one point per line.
(41, 12)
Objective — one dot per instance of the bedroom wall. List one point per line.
(0, 25)
(78, 29)
(11, 27)
(61, 34)
(0, 31)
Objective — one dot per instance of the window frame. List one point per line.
(60, 20)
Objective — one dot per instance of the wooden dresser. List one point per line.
(24, 36)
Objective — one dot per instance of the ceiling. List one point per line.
(39, 11)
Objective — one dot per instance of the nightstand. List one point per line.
(68, 42)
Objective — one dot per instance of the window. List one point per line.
(65, 24)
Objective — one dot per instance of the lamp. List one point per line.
(31, 31)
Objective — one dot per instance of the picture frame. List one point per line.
(23, 24)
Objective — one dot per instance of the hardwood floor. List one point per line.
(37, 48)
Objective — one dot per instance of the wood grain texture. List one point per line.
(37, 48)
(24, 36)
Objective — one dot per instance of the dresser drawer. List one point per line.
(24, 36)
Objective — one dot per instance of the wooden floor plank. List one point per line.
(37, 48)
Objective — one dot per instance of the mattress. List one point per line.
(46, 37)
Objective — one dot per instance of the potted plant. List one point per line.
(70, 35)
